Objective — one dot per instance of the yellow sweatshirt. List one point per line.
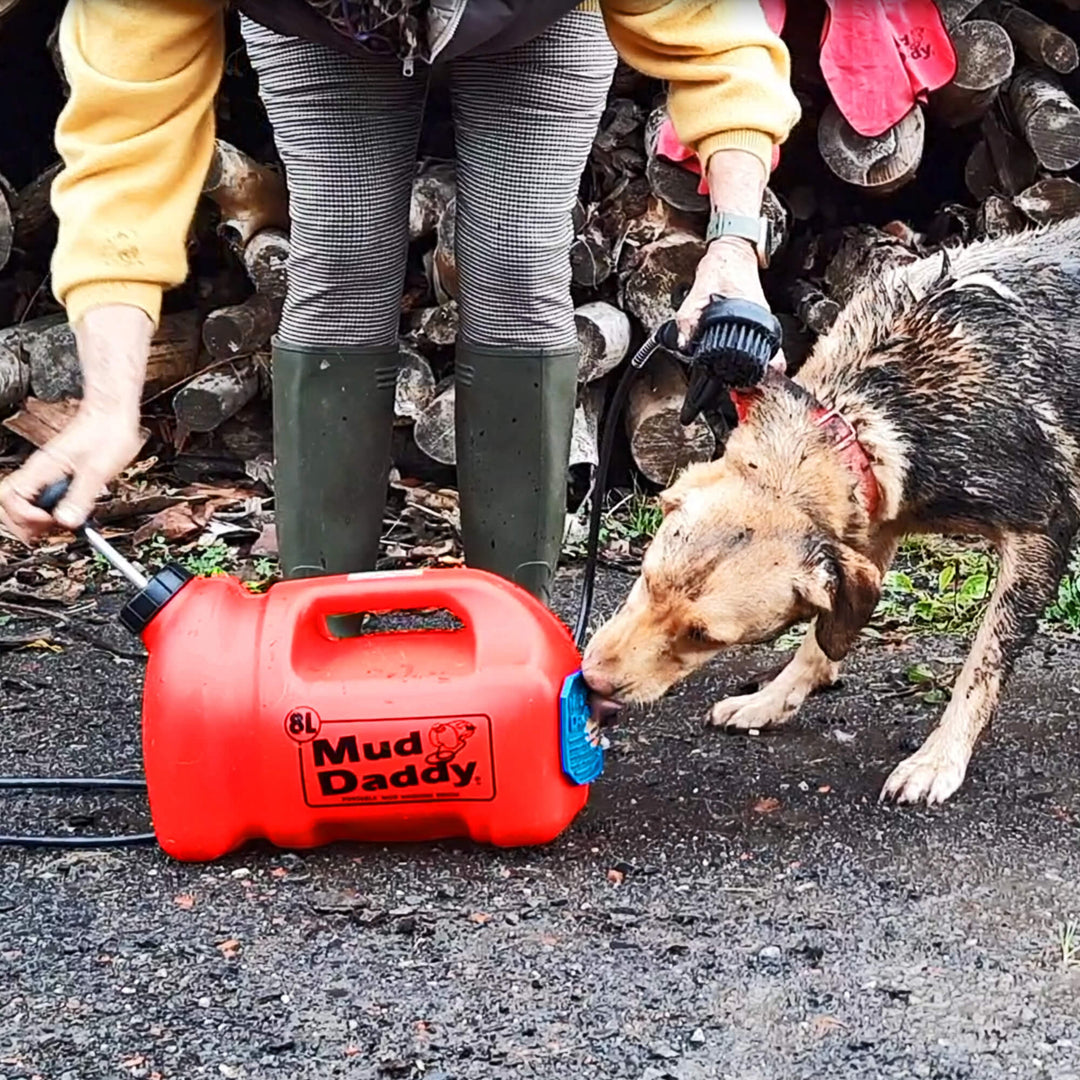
(136, 135)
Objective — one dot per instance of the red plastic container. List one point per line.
(259, 723)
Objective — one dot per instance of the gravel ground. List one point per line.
(724, 907)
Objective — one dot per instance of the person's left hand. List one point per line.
(729, 268)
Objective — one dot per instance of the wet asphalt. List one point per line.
(726, 906)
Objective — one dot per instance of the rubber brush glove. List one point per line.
(881, 57)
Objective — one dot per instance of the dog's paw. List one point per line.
(750, 712)
(933, 773)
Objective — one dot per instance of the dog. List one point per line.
(944, 399)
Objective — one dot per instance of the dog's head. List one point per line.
(734, 562)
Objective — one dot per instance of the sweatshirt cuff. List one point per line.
(81, 298)
(755, 142)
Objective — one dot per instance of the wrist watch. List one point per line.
(753, 229)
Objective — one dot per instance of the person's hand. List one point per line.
(102, 438)
(729, 268)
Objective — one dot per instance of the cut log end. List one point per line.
(880, 164)
(662, 268)
(241, 329)
(1047, 117)
(661, 445)
(603, 333)
(434, 428)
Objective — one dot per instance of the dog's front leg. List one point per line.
(776, 702)
(1031, 567)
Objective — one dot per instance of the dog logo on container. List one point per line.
(449, 740)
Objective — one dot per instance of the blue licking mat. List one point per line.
(581, 760)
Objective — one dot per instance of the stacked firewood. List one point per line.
(996, 150)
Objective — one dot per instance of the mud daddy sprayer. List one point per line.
(260, 722)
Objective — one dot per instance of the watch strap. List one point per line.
(753, 229)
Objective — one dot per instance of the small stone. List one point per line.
(770, 954)
(663, 1051)
(698, 1037)
(203, 1003)
(240, 873)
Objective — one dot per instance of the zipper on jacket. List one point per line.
(408, 67)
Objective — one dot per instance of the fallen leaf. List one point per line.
(185, 901)
(133, 1061)
(826, 1025)
(766, 806)
(175, 522)
(480, 917)
(279, 872)
(824, 789)
(616, 877)
(229, 949)
(266, 544)
(41, 643)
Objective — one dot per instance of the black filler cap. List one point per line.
(137, 614)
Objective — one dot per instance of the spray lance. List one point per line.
(258, 722)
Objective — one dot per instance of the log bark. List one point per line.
(250, 196)
(954, 12)
(669, 181)
(1047, 117)
(585, 435)
(1052, 199)
(863, 254)
(415, 388)
(815, 310)
(603, 333)
(14, 375)
(659, 443)
(7, 225)
(434, 327)
(661, 268)
(241, 329)
(434, 428)
(1038, 40)
(880, 165)
(47, 346)
(432, 191)
(980, 176)
(444, 274)
(998, 216)
(592, 259)
(1011, 158)
(32, 210)
(266, 260)
(213, 396)
(984, 62)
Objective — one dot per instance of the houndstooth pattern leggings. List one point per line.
(347, 131)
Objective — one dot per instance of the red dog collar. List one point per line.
(845, 442)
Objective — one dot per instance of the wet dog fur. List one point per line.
(961, 376)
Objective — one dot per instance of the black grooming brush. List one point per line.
(736, 340)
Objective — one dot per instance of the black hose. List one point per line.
(596, 514)
(74, 783)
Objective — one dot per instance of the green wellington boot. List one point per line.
(333, 416)
(514, 414)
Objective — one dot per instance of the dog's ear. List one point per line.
(699, 474)
(843, 587)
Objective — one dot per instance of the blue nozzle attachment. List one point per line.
(582, 760)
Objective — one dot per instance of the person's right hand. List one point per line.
(103, 437)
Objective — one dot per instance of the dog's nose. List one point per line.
(598, 682)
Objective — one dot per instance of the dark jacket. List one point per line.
(455, 27)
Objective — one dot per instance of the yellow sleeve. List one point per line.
(728, 74)
(136, 138)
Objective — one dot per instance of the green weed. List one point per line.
(1069, 944)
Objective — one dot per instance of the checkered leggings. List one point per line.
(347, 131)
